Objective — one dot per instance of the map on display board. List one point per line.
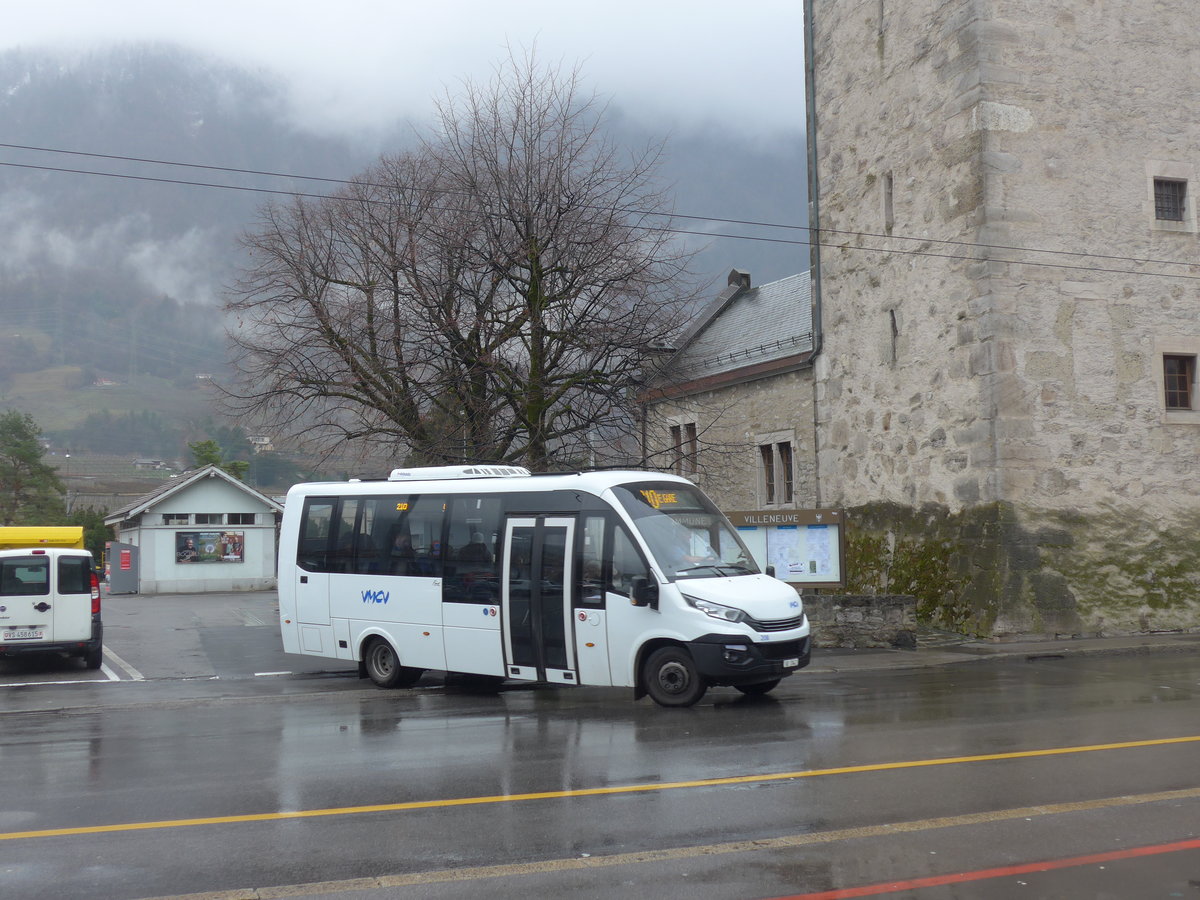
(804, 546)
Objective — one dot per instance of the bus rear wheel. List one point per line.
(671, 677)
(383, 666)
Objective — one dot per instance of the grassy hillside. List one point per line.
(61, 397)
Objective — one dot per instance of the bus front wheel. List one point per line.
(383, 666)
(671, 677)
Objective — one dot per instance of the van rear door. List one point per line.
(73, 597)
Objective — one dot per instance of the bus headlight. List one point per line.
(716, 610)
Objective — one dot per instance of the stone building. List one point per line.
(1008, 273)
(731, 406)
(1005, 313)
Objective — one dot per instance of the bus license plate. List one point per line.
(791, 663)
(24, 634)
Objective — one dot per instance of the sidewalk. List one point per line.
(939, 649)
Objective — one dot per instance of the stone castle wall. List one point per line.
(959, 375)
(731, 423)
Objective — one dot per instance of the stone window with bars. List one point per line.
(1170, 195)
(1179, 380)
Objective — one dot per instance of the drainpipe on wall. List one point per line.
(814, 223)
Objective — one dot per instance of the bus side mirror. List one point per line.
(771, 571)
(643, 592)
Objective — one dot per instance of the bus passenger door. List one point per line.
(536, 599)
(310, 584)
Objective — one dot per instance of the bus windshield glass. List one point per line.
(686, 533)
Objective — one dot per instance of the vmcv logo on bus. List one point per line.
(376, 596)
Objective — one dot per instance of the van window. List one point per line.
(24, 577)
(74, 575)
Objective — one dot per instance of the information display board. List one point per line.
(805, 546)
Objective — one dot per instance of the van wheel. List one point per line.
(671, 677)
(758, 688)
(383, 666)
(93, 658)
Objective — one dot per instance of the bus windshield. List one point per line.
(686, 533)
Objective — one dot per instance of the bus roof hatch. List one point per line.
(443, 473)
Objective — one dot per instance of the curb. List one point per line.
(840, 660)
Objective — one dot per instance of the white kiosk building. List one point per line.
(202, 531)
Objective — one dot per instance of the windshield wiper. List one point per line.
(738, 568)
(712, 566)
(720, 568)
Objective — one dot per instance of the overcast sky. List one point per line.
(367, 62)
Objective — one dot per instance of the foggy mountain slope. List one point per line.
(123, 278)
(152, 102)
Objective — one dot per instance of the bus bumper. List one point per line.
(731, 659)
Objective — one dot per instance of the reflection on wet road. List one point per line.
(842, 782)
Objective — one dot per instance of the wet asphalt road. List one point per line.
(204, 759)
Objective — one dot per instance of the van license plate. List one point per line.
(24, 634)
(791, 663)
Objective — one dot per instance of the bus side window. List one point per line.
(627, 563)
(342, 556)
(375, 518)
(313, 547)
(591, 561)
(423, 521)
(472, 566)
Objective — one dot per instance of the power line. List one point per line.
(671, 215)
(668, 230)
(699, 218)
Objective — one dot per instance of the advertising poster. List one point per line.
(209, 546)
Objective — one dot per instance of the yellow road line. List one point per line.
(551, 866)
(584, 792)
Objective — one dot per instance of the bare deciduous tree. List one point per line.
(487, 296)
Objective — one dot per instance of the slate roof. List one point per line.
(746, 326)
(175, 485)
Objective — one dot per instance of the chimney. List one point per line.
(739, 279)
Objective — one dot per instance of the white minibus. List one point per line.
(610, 578)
